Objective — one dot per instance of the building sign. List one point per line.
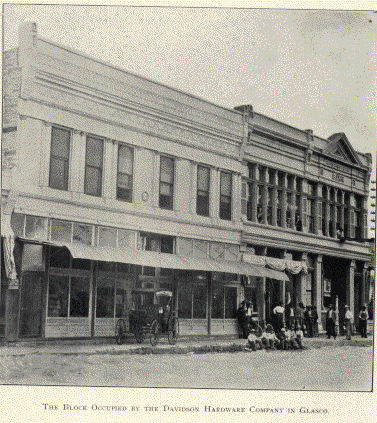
(337, 177)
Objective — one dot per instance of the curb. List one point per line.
(180, 349)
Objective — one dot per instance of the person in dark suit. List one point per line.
(330, 322)
(241, 318)
(363, 318)
(314, 318)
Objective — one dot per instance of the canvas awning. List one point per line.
(156, 259)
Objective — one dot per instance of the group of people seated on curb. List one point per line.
(290, 324)
(286, 339)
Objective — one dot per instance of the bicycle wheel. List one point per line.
(139, 334)
(120, 331)
(173, 330)
(155, 333)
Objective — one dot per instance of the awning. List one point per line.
(276, 264)
(156, 259)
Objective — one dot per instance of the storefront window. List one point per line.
(60, 257)
(230, 302)
(192, 301)
(105, 298)
(121, 299)
(58, 296)
(218, 302)
(199, 301)
(79, 301)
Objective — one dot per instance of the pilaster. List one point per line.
(317, 288)
(350, 288)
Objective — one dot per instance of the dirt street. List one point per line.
(329, 368)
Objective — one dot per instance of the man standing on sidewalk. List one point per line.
(348, 318)
(363, 318)
(330, 322)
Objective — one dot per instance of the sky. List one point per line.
(312, 69)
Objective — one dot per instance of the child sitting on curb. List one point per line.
(282, 337)
(253, 341)
(269, 339)
(291, 339)
(299, 336)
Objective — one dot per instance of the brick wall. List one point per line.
(11, 87)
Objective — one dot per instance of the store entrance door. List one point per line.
(31, 305)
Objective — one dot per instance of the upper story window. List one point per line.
(59, 159)
(311, 189)
(93, 166)
(225, 195)
(166, 182)
(202, 197)
(125, 173)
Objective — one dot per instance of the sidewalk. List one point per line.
(185, 345)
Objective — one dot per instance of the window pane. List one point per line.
(36, 227)
(61, 231)
(218, 302)
(82, 234)
(167, 169)
(93, 181)
(107, 237)
(167, 244)
(226, 184)
(122, 305)
(82, 264)
(202, 205)
(58, 173)
(203, 178)
(105, 298)
(94, 152)
(126, 238)
(125, 159)
(79, 304)
(199, 301)
(149, 271)
(58, 296)
(60, 142)
(17, 223)
(124, 181)
(166, 189)
(230, 302)
(124, 187)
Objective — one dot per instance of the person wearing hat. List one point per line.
(279, 316)
(330, 322)
(363, 318)
(348, 318)
(241, 318)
